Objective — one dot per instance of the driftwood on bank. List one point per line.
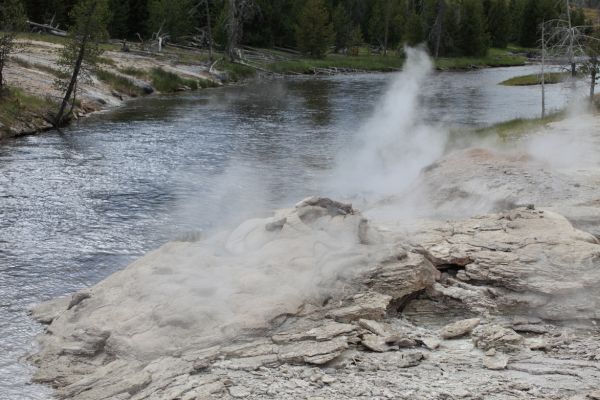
(45, 28)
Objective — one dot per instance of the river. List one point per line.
(76, 207)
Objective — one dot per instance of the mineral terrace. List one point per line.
(321, 301)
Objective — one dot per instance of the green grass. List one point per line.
(494, 58)
(520, 125)
(40, 67)
(535, 79)
(515, 48)
(236, 72)
(168, 82)
(107, 61)
(391, 62)
(42, 37)
(135, 72)
(16, 107)
(119, 83)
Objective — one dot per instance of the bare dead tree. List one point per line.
(563, 40)
(160, 37)
(238, 12)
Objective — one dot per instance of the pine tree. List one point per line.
(12, 19)
(80, 54)
(413, 31)
(342, 25)
(356, 41)
(138, 18)
(118, 26)
(315, 33)
(515, 10)
(498, 22)
(173, 16)
(473, 37)
(536, 11)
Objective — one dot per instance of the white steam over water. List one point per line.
(395, 143)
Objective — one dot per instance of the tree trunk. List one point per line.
(543, 80)
(6, 44)
(78, 63)
(441, 9)
(571, 42)
(209, 31)
(1, 74)
(72, 82)
(594, 63)
(387, 26)
(232, 31)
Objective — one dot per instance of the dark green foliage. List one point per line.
(118, 26)
(534, 13)
(173, 17)
(498, 22)
(138, 18)
(448, 27)
(413, 33)
(12, 20)
(472, 36)
(342, 25)
(315, 33)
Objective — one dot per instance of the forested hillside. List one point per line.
(449, 27)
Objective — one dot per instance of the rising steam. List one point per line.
(395, 143)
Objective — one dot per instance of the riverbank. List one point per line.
(126, 75)
(32, 97)
(363, 62)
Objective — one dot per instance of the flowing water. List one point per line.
(76, 207)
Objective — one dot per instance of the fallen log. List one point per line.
(47, 29)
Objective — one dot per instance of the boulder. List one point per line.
(459, 328)
(496, 337)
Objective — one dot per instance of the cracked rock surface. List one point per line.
(316, 302)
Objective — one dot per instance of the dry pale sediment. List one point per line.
(316, 302)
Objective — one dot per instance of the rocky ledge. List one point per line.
(317, 302)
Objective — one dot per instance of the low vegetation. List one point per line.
(119, 83)
(361, 63)
(493, 58)
(520, 125)
(40, 67)
(168, 82)
(536, 79)
(392, 62)
(18, 108)
(236, 72)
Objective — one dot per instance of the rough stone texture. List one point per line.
(496, 337)
(459, 328)
(317, 302)
(515, 262)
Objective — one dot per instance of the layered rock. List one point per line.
(524, 261)
(252, 312)
(300, 277)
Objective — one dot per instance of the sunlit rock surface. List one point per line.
(480, 281)
(318, 302)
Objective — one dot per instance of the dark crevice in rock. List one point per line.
(397, 306)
